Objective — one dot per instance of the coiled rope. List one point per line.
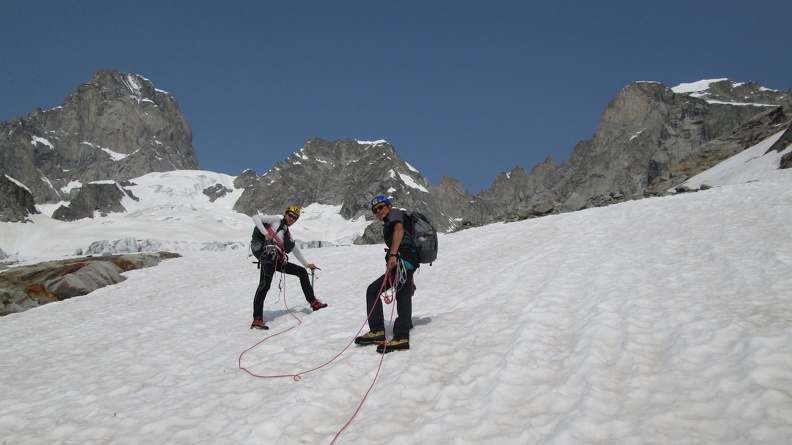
(389, 284)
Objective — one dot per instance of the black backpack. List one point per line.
(424, 236)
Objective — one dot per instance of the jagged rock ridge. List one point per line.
(115, 127)
(645, 134)
(349, 173)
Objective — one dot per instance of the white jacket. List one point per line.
(274, 222)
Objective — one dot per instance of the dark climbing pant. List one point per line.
(265, 280)
(376, 321)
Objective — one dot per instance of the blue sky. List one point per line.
(467, 88)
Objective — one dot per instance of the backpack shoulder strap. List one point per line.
(409, 227)
(277, 241)
(286, 231)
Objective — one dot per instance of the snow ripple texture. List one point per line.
(664, 320)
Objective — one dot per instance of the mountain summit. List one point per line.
(116, 127)
(349, 173)
(647, 132)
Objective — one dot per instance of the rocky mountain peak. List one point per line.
(117, 126)
(646, 132)
(637, 104)
(350, 173)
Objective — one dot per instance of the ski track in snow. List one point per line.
(663, 320)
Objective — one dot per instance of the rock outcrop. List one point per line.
(90, 199)
(26, 287)
(16, 201)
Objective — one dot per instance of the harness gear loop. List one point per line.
(272, 253)
(402, 273)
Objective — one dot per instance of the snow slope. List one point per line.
(663, 320)
(752, 164)
(171, 208)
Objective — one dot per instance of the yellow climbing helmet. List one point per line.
(293, 209)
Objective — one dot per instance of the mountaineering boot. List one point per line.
(259, 323)
(401, 344)
(316, 305)
(371, 338)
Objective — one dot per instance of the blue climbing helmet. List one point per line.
(379, 199)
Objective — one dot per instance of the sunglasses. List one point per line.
(292, 216)
(378, 207)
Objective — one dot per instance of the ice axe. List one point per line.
(312, 275)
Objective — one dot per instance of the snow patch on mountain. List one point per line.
(750, 165)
